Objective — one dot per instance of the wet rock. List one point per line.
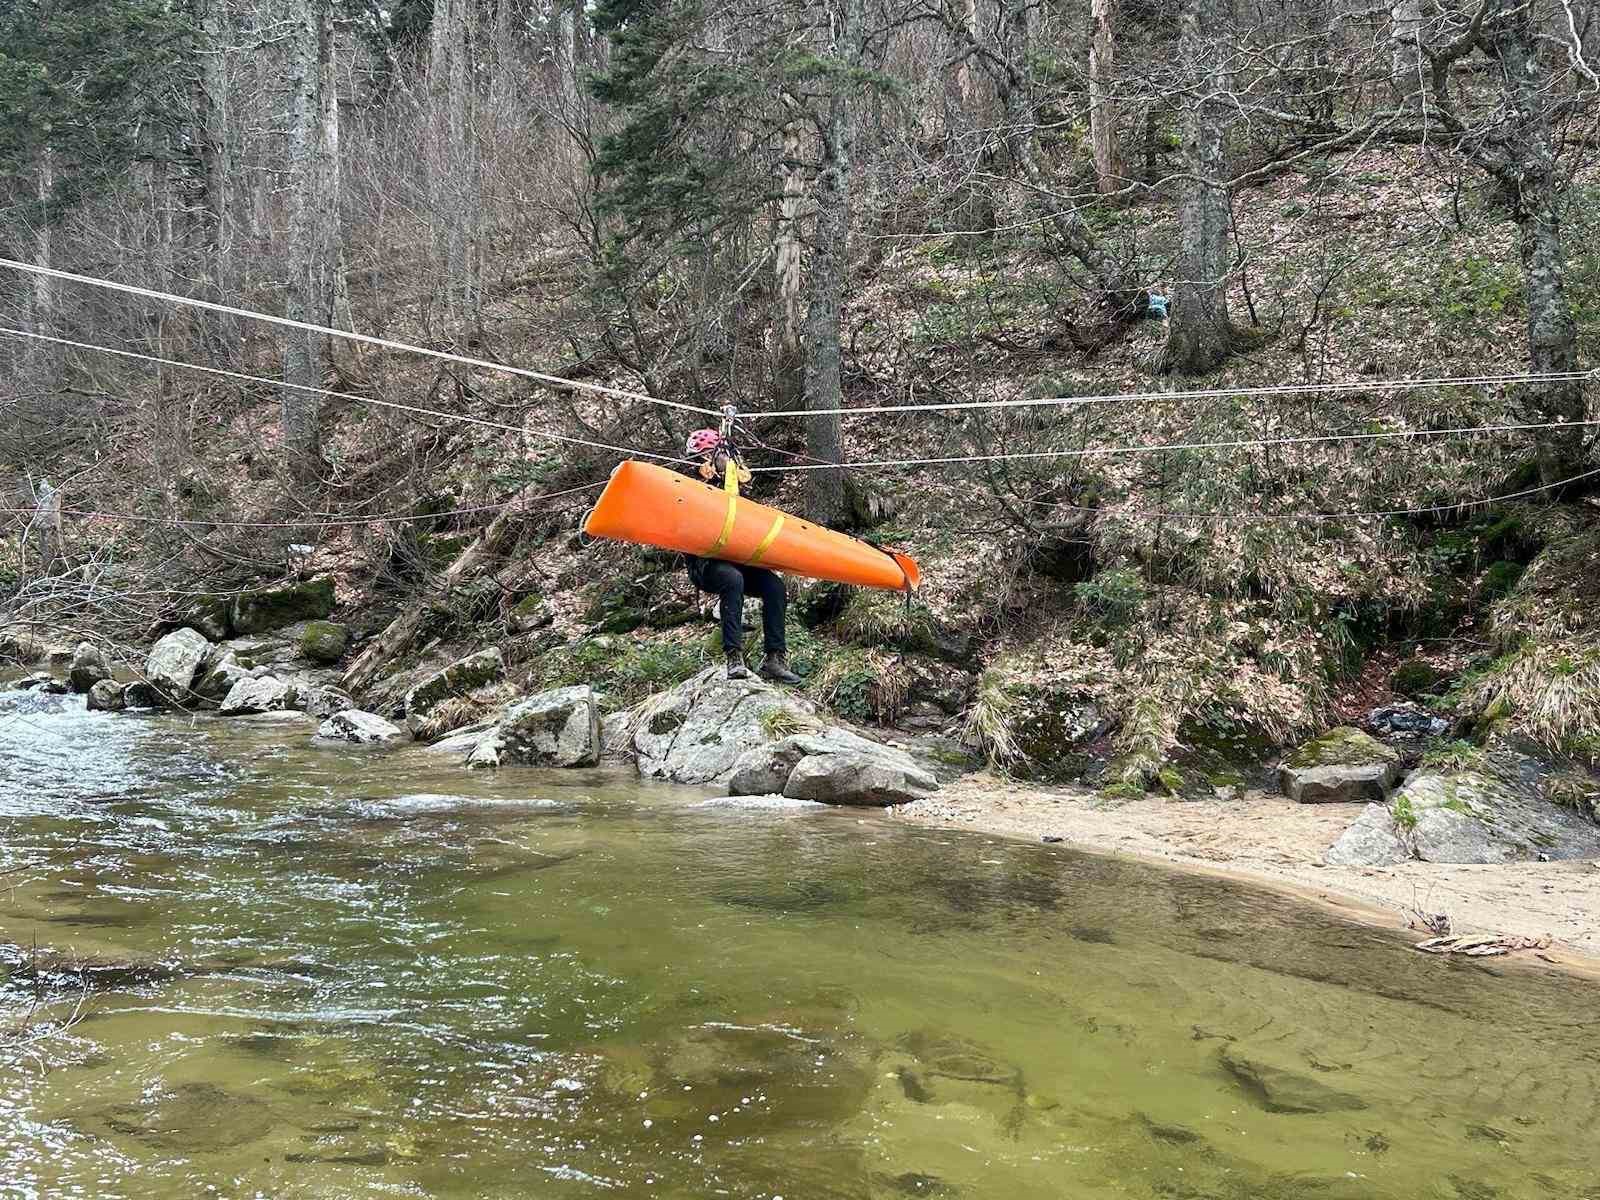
(324, 641)
(362, 728)
(1479, 815)
(218, 676)
(323, 700)
(273, 608)
(44, 683)
(1342, 765)
(259, 694)
(1279, 1089)
(560, 728)
(106, 696)
(140, 694)
(174, 662)
(485, 752)
(462, 742)
(191, 1118)
(88, 667)
(459, 678)
(1406, 720)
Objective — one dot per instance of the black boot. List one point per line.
(736, 667)
(776, 668)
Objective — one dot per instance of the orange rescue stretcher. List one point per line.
(653, 506)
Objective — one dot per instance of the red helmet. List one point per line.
(703, 441)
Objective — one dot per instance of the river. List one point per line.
(322, 972)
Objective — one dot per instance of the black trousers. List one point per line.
(730, 582)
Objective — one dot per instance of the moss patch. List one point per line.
(273, 608)
(324, 641)
(1341, 747)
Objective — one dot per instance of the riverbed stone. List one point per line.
(88, 667)
(141, 694)
(174, 662)
(1280, 1088)
(1342, 765)
(459, 678)
(362, 728)
(272, 608)
(259, 694)
(106, 695)
(559, 728)
(217, 676)
(1478, 815)
(324, 641)
(44, 683)
(323, 700)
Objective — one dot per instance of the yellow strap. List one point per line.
(730, 483)
(766, 542)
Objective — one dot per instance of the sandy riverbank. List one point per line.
(1268, 839)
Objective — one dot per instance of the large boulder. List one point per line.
(174, 662)
(1483, 814)
(273, 608)
(362, 728)
(759, 740)
(88, 667)
(323, 700)
(459, 678)
(217, 677)
(1342, 765)
(260, 694)
(696, 731)
(834, 766)
(560, 728)
(106, 695)
(324, 641)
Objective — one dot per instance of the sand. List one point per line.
(1268, 839)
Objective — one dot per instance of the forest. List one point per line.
(1222, 361)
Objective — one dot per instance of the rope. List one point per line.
(1286, 389)
(1239, 443)
(310, 327)
(354, 399)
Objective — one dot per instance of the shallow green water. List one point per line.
(384, 976)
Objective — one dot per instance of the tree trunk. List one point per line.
(1406, 67)
(313, 231)
(826, 501)
(1200, 335)
(789, 267)
(42, 306)
(454, 169)
(1108, 168)
(1527, 168)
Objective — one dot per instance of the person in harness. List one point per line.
(730, 582)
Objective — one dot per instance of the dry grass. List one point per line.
(990, 724)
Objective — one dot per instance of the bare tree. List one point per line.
(313, 228)
(1108, 167)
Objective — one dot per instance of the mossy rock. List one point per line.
(1344, 746)
(211, 616)
(444, 548)
(1500, 579)
(1054, 730)
(324, 641)
(273, 608)
(1416, 677)
(529, 613)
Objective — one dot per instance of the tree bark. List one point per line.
(789, 267)
(1405, 56)
(1200, 335)
(826, 501)
(313, 231)
(1108, 169)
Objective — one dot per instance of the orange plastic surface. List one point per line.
(657, 507)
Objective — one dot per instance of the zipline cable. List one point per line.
(1173, 447)
(1283, 389)
(815, 465)
(310, 522)
(1260, 518)
(328, 331)
(354, 399)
